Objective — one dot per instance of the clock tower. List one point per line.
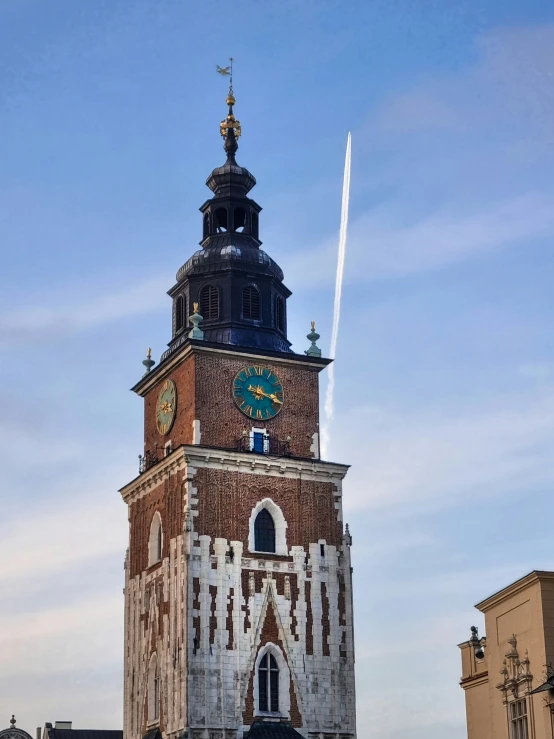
(238, 591)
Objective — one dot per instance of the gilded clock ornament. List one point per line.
(166, 407)
(258, 392)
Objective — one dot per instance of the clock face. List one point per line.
(258, 392)
(166, 406)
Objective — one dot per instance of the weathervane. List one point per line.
(227, 72)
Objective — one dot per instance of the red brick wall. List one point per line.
(204, 381)
(167, 498)
(226, 500)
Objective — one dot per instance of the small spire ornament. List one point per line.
(313, 336)
(195, 319)
(148, 362)
(12, 721)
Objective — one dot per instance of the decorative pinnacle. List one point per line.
(148, 362)
(12, 721)
(313, 336)
(196, 332)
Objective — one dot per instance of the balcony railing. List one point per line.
(259, 443)
(255, 443)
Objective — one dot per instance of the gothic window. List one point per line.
(239, 219)
(268, 684)
(251, 303)
(280, 313)
(209, 302)
(155, 542)
(518, 720)
(153, 690)
(264, 532)
(180, 313)
(255, 225)
(221, 219)
(206, 226)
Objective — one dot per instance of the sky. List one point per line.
(444, 405)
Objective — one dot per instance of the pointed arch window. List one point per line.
(155, 543)
(268, 684)
(251, 303)
(280, 313)
(209, 302)
(264, 532)
(180, 313)
(153, 690)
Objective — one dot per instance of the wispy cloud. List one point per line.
(57, 315)
(380, 248)
(436, 457)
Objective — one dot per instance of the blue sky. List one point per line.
(109, 113)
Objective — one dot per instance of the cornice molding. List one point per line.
(517, 587)
(199, 457)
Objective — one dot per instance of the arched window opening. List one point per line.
(209, 302)
(153, 690)
(280, 313)
(155, 544)
(206, 226)
(264, 532)
(251, 303)
(221, 220)
(268, 684)
(239, 219)
(255, 225)
(180, 313)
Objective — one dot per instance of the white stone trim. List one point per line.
(154, 556)
(196, 433)
(153, 698)
(284, 682)
(280, 527)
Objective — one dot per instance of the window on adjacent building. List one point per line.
(209, 302)
(251, 303)
(268, 684)
(264, 532)
(518, 720)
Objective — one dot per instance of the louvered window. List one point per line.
(251, 303)
(264, 532)
(280, 313)
(209, 302)
(180, 312)
(268, 684)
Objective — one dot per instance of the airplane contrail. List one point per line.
(329, 397)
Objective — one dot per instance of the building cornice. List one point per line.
(200, 457)
(164, 368)
(481, 678)
(518, 586)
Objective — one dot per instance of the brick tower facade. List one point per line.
(238, 593)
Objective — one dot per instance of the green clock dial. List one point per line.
(166, 407)
(258, 393)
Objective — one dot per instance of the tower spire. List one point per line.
(230, 128)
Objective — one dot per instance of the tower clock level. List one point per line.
(238, 592)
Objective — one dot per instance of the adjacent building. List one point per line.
(508, 676)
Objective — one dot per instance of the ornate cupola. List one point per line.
(238, 288)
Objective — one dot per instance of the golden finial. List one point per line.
(230, 121)
(313, 325)
(149, 353)
(195, 307)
